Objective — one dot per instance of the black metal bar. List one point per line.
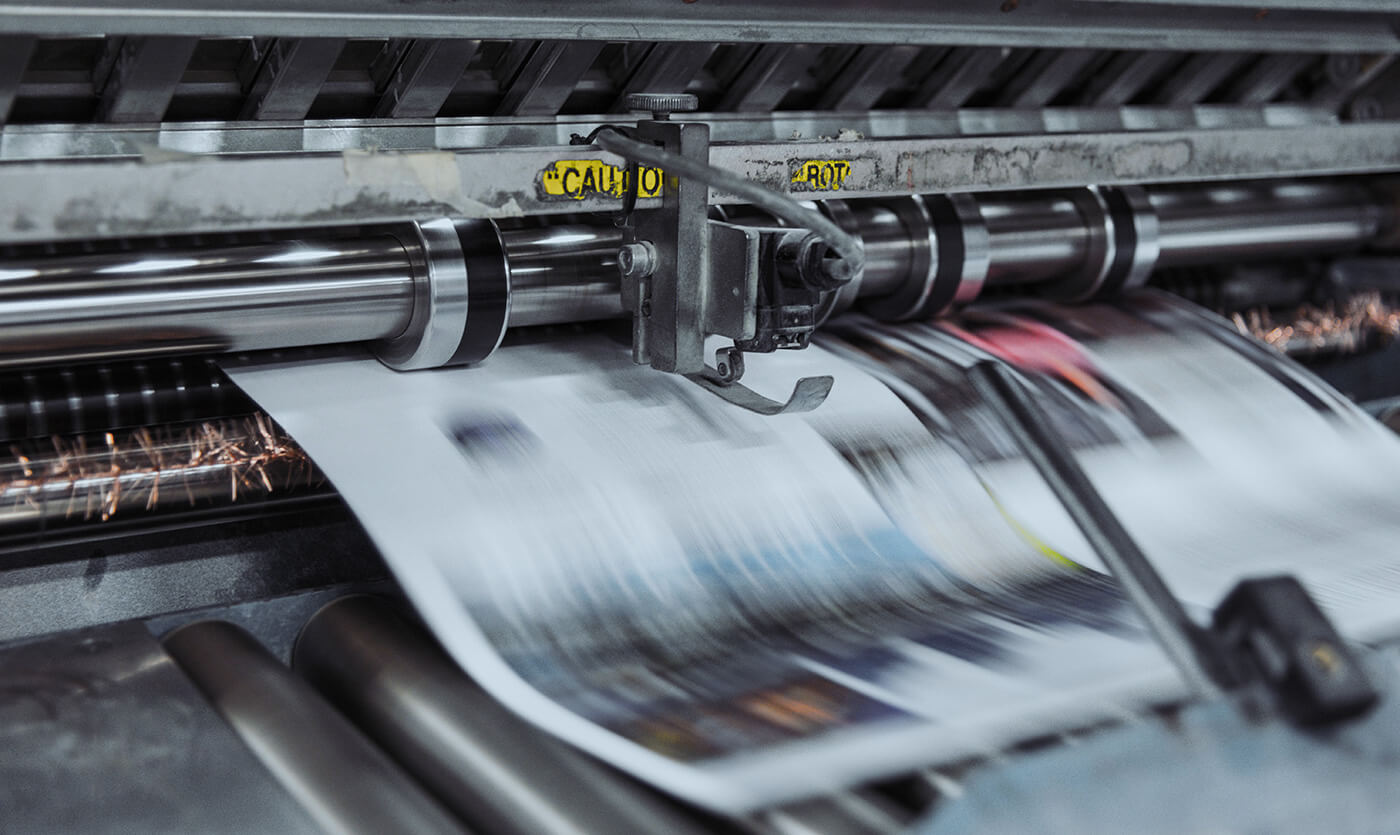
(1192, 648)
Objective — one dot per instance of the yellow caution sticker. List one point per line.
(821, 174)
(580, 178)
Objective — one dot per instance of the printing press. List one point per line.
(199, 629)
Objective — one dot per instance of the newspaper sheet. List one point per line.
(744, 610)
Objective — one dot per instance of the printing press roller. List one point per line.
(444, 292)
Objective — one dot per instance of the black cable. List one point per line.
(834, 272)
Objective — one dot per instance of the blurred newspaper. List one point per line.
(745, 610)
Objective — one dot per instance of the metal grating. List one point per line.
(180, 79)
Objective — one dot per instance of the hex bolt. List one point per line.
(637, 260)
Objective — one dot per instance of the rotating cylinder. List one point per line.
(345, 783)
(486, 764)
(443, 292)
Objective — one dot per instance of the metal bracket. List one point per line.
(808, 394)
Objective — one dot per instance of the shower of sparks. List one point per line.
(1345, 329)
(217, 460)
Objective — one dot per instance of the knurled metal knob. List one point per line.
(662, 105)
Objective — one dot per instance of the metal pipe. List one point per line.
(383, 286)
(1032, 237)
(888, 254)
(238, 298)
(1241, 222)
(481, 760)
(346, 784)
(562, 273)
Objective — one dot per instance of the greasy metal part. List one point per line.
(103, 734)
(79, 200)
(1237, 222)
(87, 307)
(344, 782)
(477, 757)
(70, 480)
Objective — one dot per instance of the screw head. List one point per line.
(636, 260)
(662, 105)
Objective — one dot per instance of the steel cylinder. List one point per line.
(409, 291)
(1242, 222)
(186, 300)
(347, 784)
(1032, 237)
(482, 761)
(565, 273)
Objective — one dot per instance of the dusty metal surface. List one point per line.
(1029, 22)
(170, 141)
(113, 198)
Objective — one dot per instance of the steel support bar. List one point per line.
(953, 22)
(56, 142)
(128, 198)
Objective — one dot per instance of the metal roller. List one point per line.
(481, 760)
(347, 784)
(443, 292)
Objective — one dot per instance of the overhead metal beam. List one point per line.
(548, 77)
(667, 68)
(1031, 23)
(58, 142)
(139, 76)
(768, 76)
(868, 76)
(424, 79)
(289, 77)
(14, 58)
(117, 198)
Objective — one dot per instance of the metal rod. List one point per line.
(1236, 223)
(562, 273)
(1200, 663)
(187, 300)
(1032, 237)
(347, 784)
(329, 290)
(481, 760)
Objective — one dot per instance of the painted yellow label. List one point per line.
(822, 174)
(580, 178)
